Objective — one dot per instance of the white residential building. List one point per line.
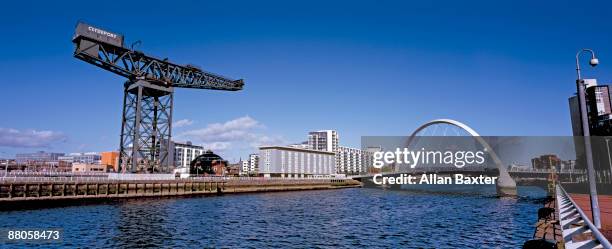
(353, 161)
(250, 166)
(281, 161)
(184, 153)
(323, 140)
(245, 167)
(369, 157)
(253, 163)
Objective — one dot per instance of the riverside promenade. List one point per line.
(30, 189)
(605, 206)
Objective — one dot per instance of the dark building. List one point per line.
(599, 113)
(546, 162)
(208, 163)
(234, 169)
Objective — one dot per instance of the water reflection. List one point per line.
(329, 219)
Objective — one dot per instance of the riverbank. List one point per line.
(20, 193)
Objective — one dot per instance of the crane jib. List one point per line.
(105, 49)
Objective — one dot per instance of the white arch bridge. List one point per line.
(506, 182)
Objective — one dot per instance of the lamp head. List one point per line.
(594, 62)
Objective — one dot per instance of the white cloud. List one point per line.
(217, 146)
(232, 130)
(261, 140)
(182, 123)
(239, 133)
(29, 138)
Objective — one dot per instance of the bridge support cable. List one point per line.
(506, 186)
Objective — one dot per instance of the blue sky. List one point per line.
(361, 67)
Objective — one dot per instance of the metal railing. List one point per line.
(52, 174)
(574, 222)
(563, 171)
(104, 179)
(58, 179)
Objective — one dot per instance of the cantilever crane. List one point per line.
(148, 95)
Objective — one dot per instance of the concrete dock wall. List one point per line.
(31, 190)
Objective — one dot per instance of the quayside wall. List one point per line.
(34, 189)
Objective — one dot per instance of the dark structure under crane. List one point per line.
(146, 126)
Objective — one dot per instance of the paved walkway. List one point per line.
(605, 205)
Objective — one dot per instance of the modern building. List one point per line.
(253, 164)
(302, 145)
(369, 158)
(323, 140)
(284, 161)
(245, 167)
(86, 167)
(599, 113)
(184, 153)
(110, 158)
(546, 162)
(65, 162)
(351, 161)
(38, 157)
(39, 161)
(88, 157)
(250, 166)
(65, 159)
(568, 165)
(599, 110)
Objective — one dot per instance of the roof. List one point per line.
(296, 149)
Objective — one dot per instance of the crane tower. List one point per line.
(146, 123)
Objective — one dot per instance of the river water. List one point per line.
(327, 219)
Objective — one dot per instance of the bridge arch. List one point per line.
(505, 184)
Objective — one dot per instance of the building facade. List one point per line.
(244, 170)
(323, 140)
(599, 113)
(546, 162)
(88, 157)
(253, 164)
(250, 166)
(369, 159)
(352, 161)
(281, 161)
(184, 153)
(349, 161)
(38, 157)
(599, 110)
(87, 168)
(110, 158)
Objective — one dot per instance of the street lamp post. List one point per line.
(586, 134)
(609, 159)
